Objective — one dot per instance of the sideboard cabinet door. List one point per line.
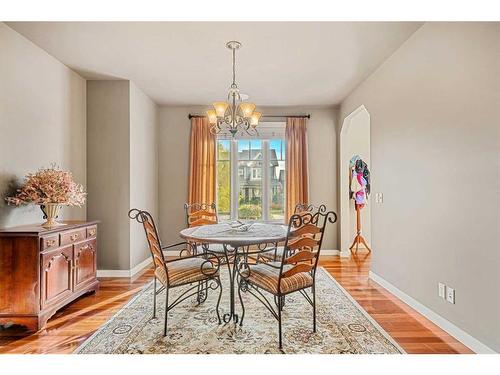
(85, 263)
(56, 275)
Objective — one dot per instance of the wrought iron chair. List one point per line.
(202, 214)
(276, 253)
(295, 272)
(200, 269)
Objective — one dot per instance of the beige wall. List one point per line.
(122, 161)
(435, 148)
(173, 155)
(108, 173)
(174, 163)
(143, 167)
(42, 121)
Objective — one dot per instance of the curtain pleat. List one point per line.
(202, 163)
(297, 180)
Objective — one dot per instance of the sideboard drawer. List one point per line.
(91, 231)
(73, 236)
(50, 242)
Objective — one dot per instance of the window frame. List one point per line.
(265, 177)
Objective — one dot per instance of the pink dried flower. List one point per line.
(49, 185)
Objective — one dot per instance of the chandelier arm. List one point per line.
(251, 131)
(213, 129)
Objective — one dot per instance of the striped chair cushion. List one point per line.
(185, 271)
(215, 248)
(271, 254)
(266, 277)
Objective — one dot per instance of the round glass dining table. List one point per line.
(234, 241)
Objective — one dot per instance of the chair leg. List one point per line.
(154, 299)
(218, 300)
(279, 329)
(241, 302)
(206, 290)
(314, 307)
(198, 293)
(166, 312)
(280, 302)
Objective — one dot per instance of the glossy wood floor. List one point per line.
(75, 323)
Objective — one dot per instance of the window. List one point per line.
(256, 173)
(249, 186)
(251, 178)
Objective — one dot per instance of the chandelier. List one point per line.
(235, 114)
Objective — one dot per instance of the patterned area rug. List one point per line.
(342, 326)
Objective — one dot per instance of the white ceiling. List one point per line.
(176, 63)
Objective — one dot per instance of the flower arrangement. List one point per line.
(49, 185)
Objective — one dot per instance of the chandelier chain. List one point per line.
(234, 68)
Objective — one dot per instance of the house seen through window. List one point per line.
(251, 178)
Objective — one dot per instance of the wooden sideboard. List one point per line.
(42, 270)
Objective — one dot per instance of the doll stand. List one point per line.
(359, 238)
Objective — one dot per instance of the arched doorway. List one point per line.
(354, 140)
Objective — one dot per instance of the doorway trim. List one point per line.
(344, 191)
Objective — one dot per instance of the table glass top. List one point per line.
(251, 233)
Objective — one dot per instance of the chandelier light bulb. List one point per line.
(247, 109)
(220, 108)
(212, 117)
(254, 120)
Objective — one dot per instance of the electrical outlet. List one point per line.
(442, 290)
(379, 197)
(450, 295)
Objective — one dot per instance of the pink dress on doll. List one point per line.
(358, 187)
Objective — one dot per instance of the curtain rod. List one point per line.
(190, 116)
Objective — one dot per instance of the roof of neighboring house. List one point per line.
(257, 154)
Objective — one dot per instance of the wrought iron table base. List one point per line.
(230, 260)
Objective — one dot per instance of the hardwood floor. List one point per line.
(73, 324)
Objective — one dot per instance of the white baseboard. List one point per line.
(113, 273)
(145, 263)
(125, 273)
(462, 336)
(329, 252)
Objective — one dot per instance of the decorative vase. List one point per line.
(50, 212)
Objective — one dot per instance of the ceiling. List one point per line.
(186, 63)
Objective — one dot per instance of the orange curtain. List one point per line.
(201, 163)
(297, 180)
